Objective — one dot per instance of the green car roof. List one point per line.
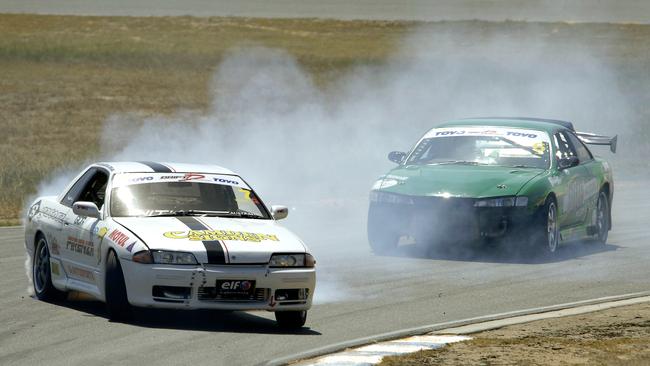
(549, 126)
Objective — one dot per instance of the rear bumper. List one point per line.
(194, 287)
(448, 219)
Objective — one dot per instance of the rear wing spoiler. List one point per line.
(593, 139)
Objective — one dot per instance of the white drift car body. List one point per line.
(185, 236)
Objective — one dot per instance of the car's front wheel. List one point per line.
(548, 237)
(42, 273)
(291, 319)
(117, 302)
(383, 234)
(602, 218)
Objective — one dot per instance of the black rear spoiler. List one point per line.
(593, 139)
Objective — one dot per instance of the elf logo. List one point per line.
(236, 285)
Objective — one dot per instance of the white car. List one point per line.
(168, 236)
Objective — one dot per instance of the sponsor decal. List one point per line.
(192, 176)
(539, 147)
(118, 237)
(54, 246)
(77, 245)
(226, 181)
(55, 268)
(521, 134)
(33, 210)
(492, 131)
(249, 196)
(207, 235)
(449, 133)
(156, 212)
(55, 215)
(100, 231)
(130, 247)
(141, 179)
(80, 272)
(236, 285)
(79, 220)
(166, 177)
(215, 249)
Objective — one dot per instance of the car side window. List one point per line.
(75, 190)
(583, 153)
(95, 189)
(564, 148)
(90, 187)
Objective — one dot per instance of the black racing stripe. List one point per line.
(157, 167)
(212, 247)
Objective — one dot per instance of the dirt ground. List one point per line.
(619, 336)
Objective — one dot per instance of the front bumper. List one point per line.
(194, 287)
(448, 219)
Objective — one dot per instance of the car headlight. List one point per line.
(292, 260)
(384, 197)
(520, 201)
(169, 257)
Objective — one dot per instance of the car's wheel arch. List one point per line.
(606, 188)
(542, 206)
(38, 234)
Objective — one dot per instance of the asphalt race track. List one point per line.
(358, 295)
(602, 11)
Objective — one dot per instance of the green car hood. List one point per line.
(456, 180)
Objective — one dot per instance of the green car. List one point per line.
(484, 179)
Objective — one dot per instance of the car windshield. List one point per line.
(188, 194)
(483, 146)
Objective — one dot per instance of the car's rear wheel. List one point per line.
(291, 319)
(117, 302)
(383, 235)
(548, 238)
(42, 273)
(602, 218)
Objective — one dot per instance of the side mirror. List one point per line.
(396, 156)
(83, 208)
(279, 212)
(569, 162)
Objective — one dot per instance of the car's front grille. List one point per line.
(210, 294)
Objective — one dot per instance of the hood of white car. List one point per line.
(215, 240)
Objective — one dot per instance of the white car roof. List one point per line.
(162, 167)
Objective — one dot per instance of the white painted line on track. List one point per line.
(372, 354)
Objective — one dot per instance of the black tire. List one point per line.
(602, 218)
(291, 319)
(548, 229)
(383, 235)
(42, 273)
(117, 303)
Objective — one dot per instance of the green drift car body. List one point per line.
(478, 180)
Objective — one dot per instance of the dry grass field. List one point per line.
(62, 76)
